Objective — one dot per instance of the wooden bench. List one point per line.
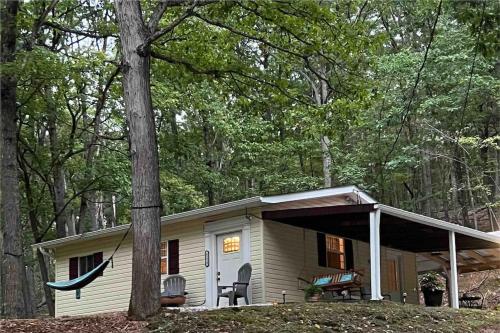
(349, 281)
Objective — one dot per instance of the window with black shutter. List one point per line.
(73, 268)
(78, 266)
(334, 252)
(173, 256)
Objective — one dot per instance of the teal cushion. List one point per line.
(347, 277)
(322, 281)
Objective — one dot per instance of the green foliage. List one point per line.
(312, 290)
(431, 281)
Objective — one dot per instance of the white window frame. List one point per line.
(164, 257)
(342, 253)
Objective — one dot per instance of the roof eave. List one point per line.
(169, 219)
(414, 217)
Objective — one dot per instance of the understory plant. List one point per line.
(431, 281)
(312, 290)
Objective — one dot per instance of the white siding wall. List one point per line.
(291, 252)
(191, 256)
(111, 292)
(256, 251)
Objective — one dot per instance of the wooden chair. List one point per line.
(174, 293)
(239, 288)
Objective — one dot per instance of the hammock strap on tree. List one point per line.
(87, 278)
(119, 244)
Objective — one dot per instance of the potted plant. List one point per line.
(312, 293)
(433, 289)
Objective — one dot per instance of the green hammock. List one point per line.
(87, 278)
(80, 281)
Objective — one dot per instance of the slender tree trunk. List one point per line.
(58, 178)
(497, 175)
(426, 185)
(458, 168)
(44, 272)
(454, 193)
(145, 296)
(471, 197)
(14, 278)
(327, 161)
(34, 224)
(209, 161)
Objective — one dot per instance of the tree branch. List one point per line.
(154, 36)
(91, 34)
(164, 4)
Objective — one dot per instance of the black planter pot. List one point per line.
(433, 297)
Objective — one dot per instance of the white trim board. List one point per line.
(326, 192)
(211, 231)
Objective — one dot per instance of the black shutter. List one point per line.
(98, 260)
(73, 268)
(321, 249)
(349, 254)
(173, 256)
(83, 265)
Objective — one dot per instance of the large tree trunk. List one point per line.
(145, 296)
(14, 278)
(321, 98)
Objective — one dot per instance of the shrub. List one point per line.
(431, 281)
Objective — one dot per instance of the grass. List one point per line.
(330, 317)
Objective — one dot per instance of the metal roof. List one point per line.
(212, 211)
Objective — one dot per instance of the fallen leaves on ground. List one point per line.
(106, 323)
(365, 317)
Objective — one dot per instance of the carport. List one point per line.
(453, 247)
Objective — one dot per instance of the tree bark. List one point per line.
(58, 178)
(34, 224)
(44, 272)
(14, 278)
(209, 161)
(426, 185)
(497, 176)
(327, 161)
(145, 296)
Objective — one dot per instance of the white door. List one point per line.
(229, 260)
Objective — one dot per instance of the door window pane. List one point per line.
(231, 244)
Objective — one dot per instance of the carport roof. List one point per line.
(398, 228)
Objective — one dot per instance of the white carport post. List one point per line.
(375, 255)
(453, 292)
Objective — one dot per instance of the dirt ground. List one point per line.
(364, 317)
(105, 323)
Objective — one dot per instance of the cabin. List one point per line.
(285, 238)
